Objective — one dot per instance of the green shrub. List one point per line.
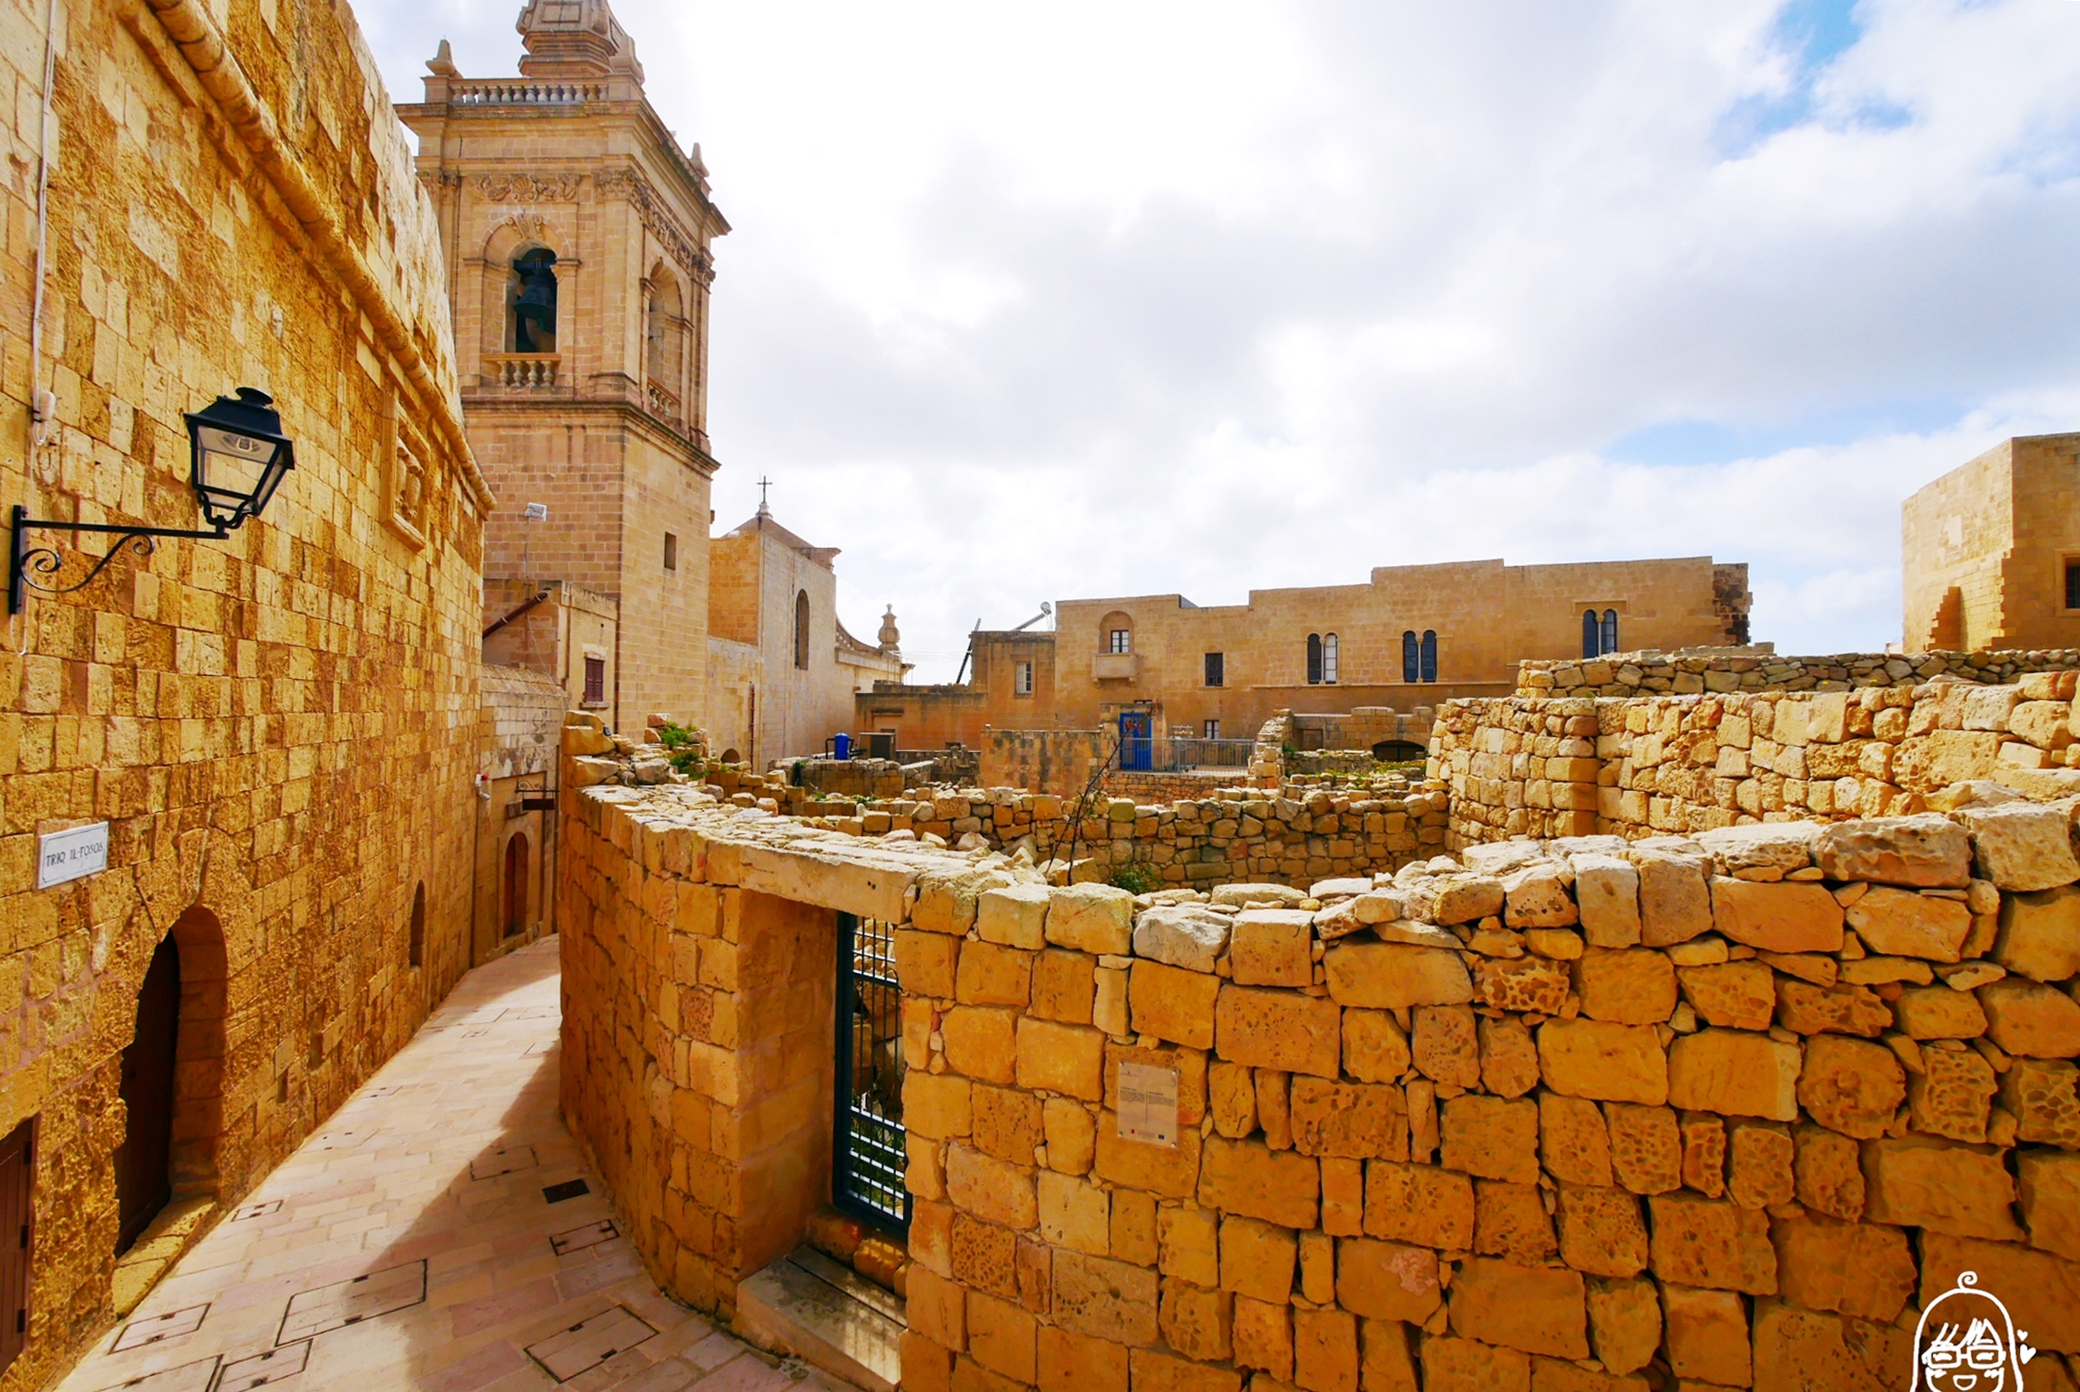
(1135, 879)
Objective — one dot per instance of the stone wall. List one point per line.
(1724, 1114)
(1722, 671)
(279, 728)
(1043, 761)
(1651, 764)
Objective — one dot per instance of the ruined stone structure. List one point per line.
(277, 728)
(782, 668)
(578, 241)
(1410, 637)
(1595, 1113)
(1991, 551)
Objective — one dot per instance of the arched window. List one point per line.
(1411, 657)
(415, 948)
(1610, 630)
(516, 884)
(531, 301)
(1329, 659)
(801, 629)
(1116, 633)
(1429, 654)
(1314, 659)
(1592, 641)
(661, 333)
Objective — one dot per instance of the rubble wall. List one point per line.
(1722, 670)
(1651, 765)
(1723, 1114)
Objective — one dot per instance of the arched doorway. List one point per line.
(516, 884)
(144, 1161)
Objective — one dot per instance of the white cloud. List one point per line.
(1031, 302)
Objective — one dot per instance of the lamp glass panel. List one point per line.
(233, 463)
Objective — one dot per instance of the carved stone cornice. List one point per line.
(529, 188)
(630, 184)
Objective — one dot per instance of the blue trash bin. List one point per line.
(841, 746)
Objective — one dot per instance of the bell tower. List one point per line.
(578, 238)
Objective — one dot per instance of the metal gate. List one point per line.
(868, 1155)
(1136, 740)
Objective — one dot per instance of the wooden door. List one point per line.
(17, 1172)
(144, 1160)
(516, 884)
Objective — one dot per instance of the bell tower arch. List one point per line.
(579, 238)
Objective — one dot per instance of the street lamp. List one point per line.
(238, 456)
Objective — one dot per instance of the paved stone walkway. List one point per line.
(438, 1233)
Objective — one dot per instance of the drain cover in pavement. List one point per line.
(569, 1189)
(157, 1329)
(583, 1347)
(336, 1306)
(275, 1365)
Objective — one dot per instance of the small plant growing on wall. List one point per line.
(1135, 879)
(682, 750)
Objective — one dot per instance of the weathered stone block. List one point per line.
(1264, 1337)
(1072, 1135)
(1182, 935)
(1706, 1242)
(2044, 1098)
(1474, 1366)
(1635, 987)
(1386, 1280)
(992, 975)
(1707, 1335)
(1601, 1231)
(1491, 1137)
(2040, 934)
(1467, 899)
(1074, 1214)
(1002, 1337)
(1094, 918)
(1734, 1073)
(1938, 1012)
(1195, 1321)
(1802, 1349)
(1274, 1029)
(2050, 1185)
(1423, 1204)
(1152, 1371)
(1325, 1350)
(2040, 1289)
(1786, 917)
(1537, 897)
(1374, 1049)
(981, 1042)
(1247, 1177)
(1232, 1098)
(1272, 947)
(1859, 1269)
(1258, 1259)
(1758, 1164)
(1104, 1299)
(1534, 1309)
(1509, 1057)
(1646, 1148)
(1605, 1061)
(1805, 1008)
(1386, 1363)
(1607, 893)
(1945, 1187)
(1738, 995)
(2031, 1020)
(1927, 850)
(1829, 1172)
(1171, 1171)
(1013, 917)
(938, 1309)
(1624, 1322)
(1072, 1362)
(1007, 1124)
(1510, 1220)
(1573, 1145)
(1392, 976)
(1851, 1086)
(1953, 1094)
(1675, 903)
(1779, 847)
(1445, 1045)
(1532, 985)
(994, 1190)
(1364, 1121)
(1704, 1153)
(927, 963)
(1172, 1003)
(1899, 923)
(2022, 845)
(936, 1105)
(1064, 986)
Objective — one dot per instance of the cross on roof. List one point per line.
(763, 485)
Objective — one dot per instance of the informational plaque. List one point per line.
(1148, 1104)
(71, 855)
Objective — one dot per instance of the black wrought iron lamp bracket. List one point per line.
(44, 561)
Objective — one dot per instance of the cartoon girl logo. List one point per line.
(1966, 1342)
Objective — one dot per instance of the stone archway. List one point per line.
(198, 1088)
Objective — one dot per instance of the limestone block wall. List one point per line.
(1722, 670)
(1723, 1115)
(1652, 764)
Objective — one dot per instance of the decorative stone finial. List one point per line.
(575, 38)
(442, 63)
(890, 638)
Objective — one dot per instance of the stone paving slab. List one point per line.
(409, 1243)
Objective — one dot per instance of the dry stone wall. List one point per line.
(1573, 1115)
(1657, 764)
(1723, 670)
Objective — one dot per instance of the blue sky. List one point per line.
(1035, 301)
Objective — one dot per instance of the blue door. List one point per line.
(1136, 740)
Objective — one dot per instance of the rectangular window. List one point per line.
(2073, 584)
(671, 551)
(1213, 729)
(595, 681)
(1216, 670)
(1122, 640)
(1022, 683)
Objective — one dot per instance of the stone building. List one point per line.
(275, 728)
(577, 234)
(782, 670)
(1410, 637)
(1991, 551)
